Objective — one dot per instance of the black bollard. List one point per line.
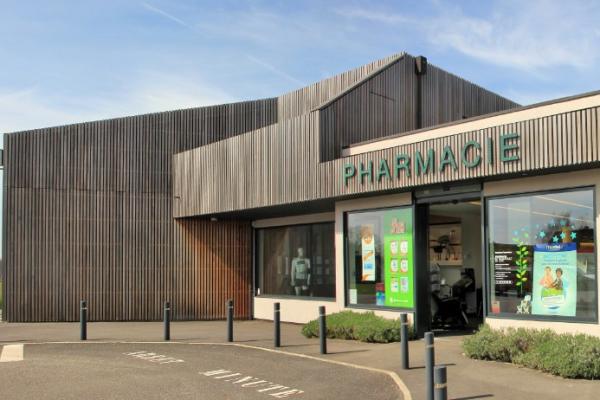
(404, 340)
(322, 330)
(230, 320)
(441, 387)
(429, 363)
(167, 320)
(83, 320)
(276, 321)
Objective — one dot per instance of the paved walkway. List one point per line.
(467, 379)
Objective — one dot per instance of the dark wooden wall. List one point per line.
(281, 163)
(296, 159)
(88, 215)
(211, 264)
(88, 207)
(386, 104)
(568, 140)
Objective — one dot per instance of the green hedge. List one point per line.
(569, 356)
(366, 327)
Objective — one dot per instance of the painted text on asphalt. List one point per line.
(250, 382)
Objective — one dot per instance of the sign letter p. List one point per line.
(349, 172)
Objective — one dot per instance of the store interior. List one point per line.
(455, 260)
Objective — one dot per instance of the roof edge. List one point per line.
(472, 119)
(373, 73)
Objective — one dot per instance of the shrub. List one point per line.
(566, 355)
(366, 327)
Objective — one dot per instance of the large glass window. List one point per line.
(379, 258)
(296, 260)
(542, 255)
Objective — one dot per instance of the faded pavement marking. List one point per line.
(12, 352)
(153, 357)
(246, 381)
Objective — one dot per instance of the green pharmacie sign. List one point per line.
(470, 155)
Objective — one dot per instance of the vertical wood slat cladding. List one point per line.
(89, 206)
(304, 100)
(88, 215)
(386, 105)
(282, 163)
(215, 267)
(568, 139)
(545, 143)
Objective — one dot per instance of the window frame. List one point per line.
(488, 268)
(346, 262)
(261, 276)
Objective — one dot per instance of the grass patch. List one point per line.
(365, 327)
(565, 355)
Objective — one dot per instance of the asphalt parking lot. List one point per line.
(181, 371)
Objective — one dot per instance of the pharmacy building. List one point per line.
(393, 187)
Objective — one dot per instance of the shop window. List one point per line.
(542, 260)
(379, 258)
(296, 261)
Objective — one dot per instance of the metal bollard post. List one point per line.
(167, 320)
(83, 320)
(429, 363)
(276, 321)
(322, 330)
(404, 340)
(230, 320)
(441, 387)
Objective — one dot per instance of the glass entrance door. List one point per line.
(449, 264)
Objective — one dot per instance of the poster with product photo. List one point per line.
(398, 258)
(367, 241)
(555, 279)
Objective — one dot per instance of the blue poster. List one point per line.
(555, 279)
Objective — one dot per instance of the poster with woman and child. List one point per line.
(555, 279)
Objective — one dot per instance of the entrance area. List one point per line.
(454, 256)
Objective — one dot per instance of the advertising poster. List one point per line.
(555, 279)
(398, 260)
(504, 267)
(367, 240)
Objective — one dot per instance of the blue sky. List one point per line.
(70, 61)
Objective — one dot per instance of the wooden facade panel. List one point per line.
(212, 265)
(124, 255)
(297, 159)
(386, 104)
(283, 161)
(547, 137)
(132, 154)
(89, 206)
(88, 215)
(305, 100)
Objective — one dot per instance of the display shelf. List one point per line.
(446, 237)
(448, 263)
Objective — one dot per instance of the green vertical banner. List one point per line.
(398, 258)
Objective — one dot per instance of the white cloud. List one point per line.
(275, 70)
(373, 15)
(27, 109)
(525, 35)
(167, 15)
(152, 92)
(538, 96)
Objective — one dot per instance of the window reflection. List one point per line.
(542, 258)
(296, 260)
